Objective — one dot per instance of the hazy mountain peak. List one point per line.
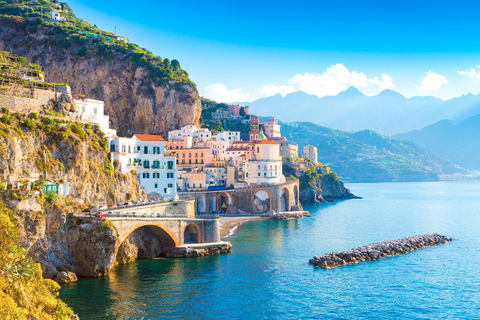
(390, 93)
(351, 92)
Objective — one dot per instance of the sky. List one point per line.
(239, 51)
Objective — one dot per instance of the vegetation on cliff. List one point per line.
(143, 93)
(24, 293)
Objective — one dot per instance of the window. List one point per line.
(170, 165)
(246, 175)
(189, 154)
(129, 149)
(201, 161)
(190, 161)
(156, 185)
(183, 155)
(146, 175)
(156, 175)
(138, 148)
(156, 150)
(146, 164)
(170, 175)
(183, 161)
(145, 150)
(258, 149)
(170, 185)
(156, 164)
(165, 190)
(264, 174)
(83, 109)
(196, 161)
(112, 148)
(259, 174)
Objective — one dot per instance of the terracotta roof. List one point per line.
(241, 142)
(238, 149)
(149, 137)
(264, 142)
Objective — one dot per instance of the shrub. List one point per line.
(30, 124)
(6, 119)
(77, 128)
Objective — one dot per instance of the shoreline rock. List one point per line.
(379, 250)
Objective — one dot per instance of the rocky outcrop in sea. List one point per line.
(289, 215)
(376, 251)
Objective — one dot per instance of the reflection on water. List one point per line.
(267, 275)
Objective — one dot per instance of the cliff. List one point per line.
(317, 183)
(142, 93)
(73, 156)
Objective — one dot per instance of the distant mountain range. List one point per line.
(366, 156)
(459, 142)
(387, 113)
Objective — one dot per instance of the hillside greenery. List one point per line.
(367, 156)
(93, 41)
(24, 293)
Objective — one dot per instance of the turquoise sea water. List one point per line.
(267, 275)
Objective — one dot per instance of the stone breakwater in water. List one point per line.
(376, 251)
(289, 215)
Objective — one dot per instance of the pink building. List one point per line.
(272, 128)
(178, 144)
(236, 110)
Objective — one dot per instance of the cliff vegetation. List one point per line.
(143, 93)
(24, 293)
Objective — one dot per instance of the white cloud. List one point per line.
(432, 82)
(220, 93)
(332, 81)
(472, 73)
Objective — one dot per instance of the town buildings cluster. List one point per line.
(196, 159)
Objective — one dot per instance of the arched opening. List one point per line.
(201, 204)
(212, 203)
(284, 200)
(261, 201)
(295, 195)
(145, 242)
(191, 234)
(223, 202)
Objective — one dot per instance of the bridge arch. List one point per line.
(166, 237)
(284, 200)
(223, 201)
(295, 194)
(191, 233)
(262, 201)
(212, 203)
(201, 204)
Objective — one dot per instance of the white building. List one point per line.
(56, 16)
(265, 166)
(145, 154)
(230, 136)
(197, 134)
(93, 111)
(216, 176)
(310, 152)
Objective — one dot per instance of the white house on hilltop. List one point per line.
(56, 16)
(197, 134)
(144, 153)
(93, 111)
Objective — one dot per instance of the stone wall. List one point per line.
(27, 105)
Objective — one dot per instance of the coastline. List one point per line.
(228, 225)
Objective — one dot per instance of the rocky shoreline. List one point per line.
(376, 251)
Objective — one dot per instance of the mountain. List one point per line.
(143, 93)
(387, 113)
(366, 156)
(456, 141)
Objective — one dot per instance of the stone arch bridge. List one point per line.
(257, 199)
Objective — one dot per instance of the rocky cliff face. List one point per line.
(315, 184)
(135, 102)
(44, 148)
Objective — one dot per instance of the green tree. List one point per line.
(242, 112)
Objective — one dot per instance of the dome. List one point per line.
(261, 136)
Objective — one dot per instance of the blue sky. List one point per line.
(243, 50)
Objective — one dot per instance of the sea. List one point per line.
(267, 274)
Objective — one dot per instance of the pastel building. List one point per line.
(93, 111)
(265, 166)
(310, 152)
(191, 156)
(197, 134)
(192, 180)
(186, 143)
(272, 128)
(235, 110)
(143, 153)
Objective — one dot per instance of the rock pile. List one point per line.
(289, 215)
(376, 251)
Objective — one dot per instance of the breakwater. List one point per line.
(289, 215)
(376, 251)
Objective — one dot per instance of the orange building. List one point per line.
(191, 155)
